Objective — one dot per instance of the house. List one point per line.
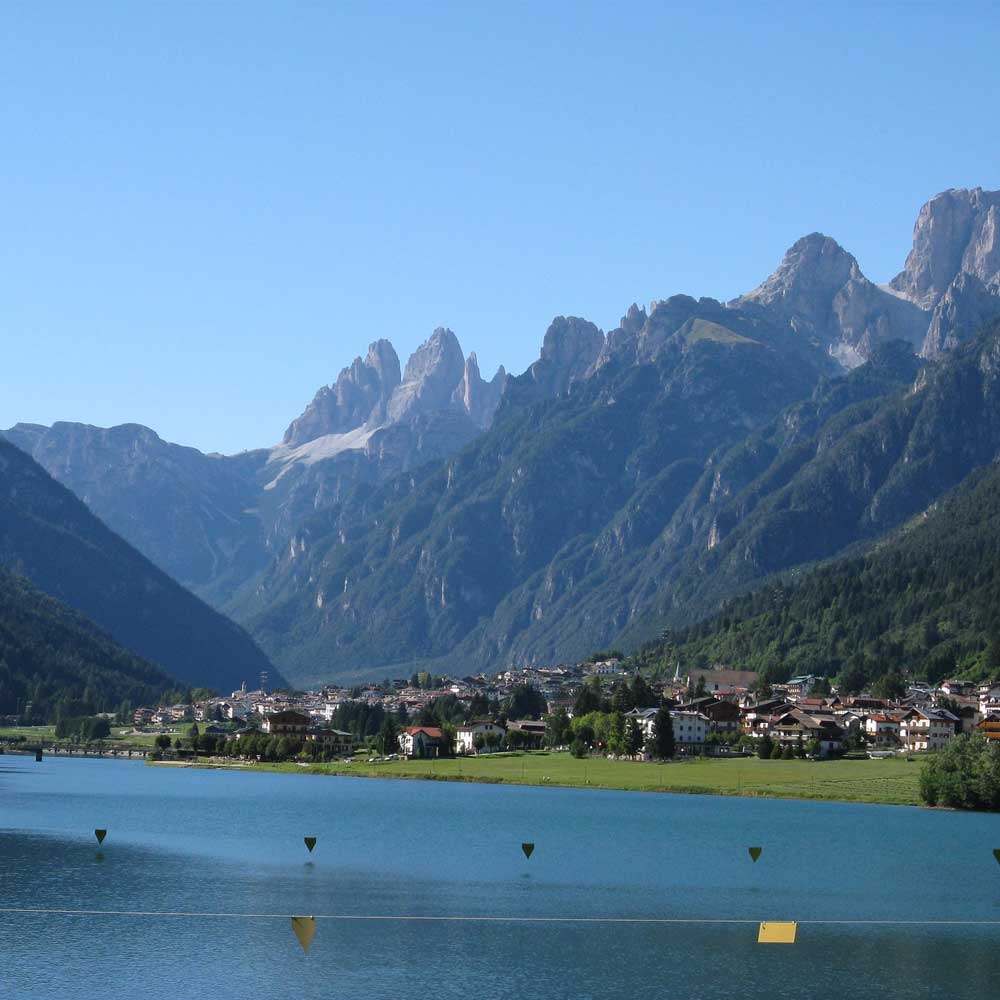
(486, 729)
(926, 728)
(721, 682)
(882, 730)
(420, 741)
(723, 716)
(332, 740)
(606, 668)
(990, 727)
(142, 717)
(796, 726)
(532, 730)
(286, 723)
(953, 687)
(802, 685)
(757, 719)
(645, 718)
(690, 728)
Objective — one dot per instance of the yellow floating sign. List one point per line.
(528, 849)
(304, 929)
(755, 853)
(100, 835)
(777, 932)
(310, 843)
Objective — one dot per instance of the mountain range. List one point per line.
(423, 515)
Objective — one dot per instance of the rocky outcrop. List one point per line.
(569, 353)
(820, 291)
(957, 231)
(966, 306)
(358, 397)
(432, 374)
(477, 397)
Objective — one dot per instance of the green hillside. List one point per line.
(50, 537)
(926, 599)
(53, 657)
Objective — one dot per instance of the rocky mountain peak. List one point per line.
(572, 345)
(477, 397)
(359, 396)
(814, 267)
(820, 291)
(956, 231)
(432, 374)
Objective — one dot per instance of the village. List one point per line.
(713, 712)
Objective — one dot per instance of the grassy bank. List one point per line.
(884, 781)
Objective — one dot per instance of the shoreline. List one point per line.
(875, 782)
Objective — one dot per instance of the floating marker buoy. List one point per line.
(38, 756)
(100, 835)
(754, 853)
(996, 854)
(528, 849)
(777, 932)
(310, 842)
(304, 928)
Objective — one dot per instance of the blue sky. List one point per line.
(208, 209)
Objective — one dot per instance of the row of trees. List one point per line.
(965, 774)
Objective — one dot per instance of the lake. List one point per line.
(213, 842)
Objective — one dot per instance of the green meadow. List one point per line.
(892, 781)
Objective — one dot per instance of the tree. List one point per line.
(764, 747)
(889, 686)
(557, 727)
(194, 735)
(388, 735)
(965, 774)
(814, 748)
(634, 738)
(162, 742)
(525, 702)
(787, 753)
(776, 752)
(642, 693)
(663, 735)
(589, 699)
(579, 749)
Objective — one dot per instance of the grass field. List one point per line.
(122, 734)
(892, 781)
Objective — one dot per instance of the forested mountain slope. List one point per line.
(926, 599)
(60, 662)
(863, 473)
(49, 536)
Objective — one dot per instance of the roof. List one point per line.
(432, 731)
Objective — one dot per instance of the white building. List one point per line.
(926, 728)
(691, 729)
(465, 736)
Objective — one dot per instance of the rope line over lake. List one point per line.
(472, 918)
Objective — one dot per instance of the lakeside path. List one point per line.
(891, 782)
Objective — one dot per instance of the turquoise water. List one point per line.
(220, 842)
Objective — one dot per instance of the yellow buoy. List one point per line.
(754, 853)
(100, 835)
(304, 929)
(310, 842)
(777, 932)
(528, 849)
